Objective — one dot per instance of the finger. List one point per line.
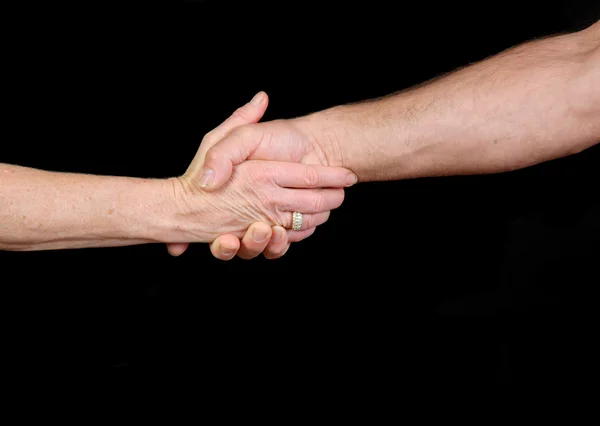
(177, 249)
(255, 241)
(219, 160)
(250, 113)
(278, 244)
(308, 220)
(296, 175)
(311, 200)
(296, 236)
(278, 254)
(225, 247)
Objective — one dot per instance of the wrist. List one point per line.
(351, 136)
(179, 209)
(149, 211)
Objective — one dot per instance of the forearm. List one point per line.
(42, 210)
(530, 104)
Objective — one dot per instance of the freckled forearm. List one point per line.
(42, 210)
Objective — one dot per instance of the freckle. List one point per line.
(495, 142)
(110, 211)
(24, 217)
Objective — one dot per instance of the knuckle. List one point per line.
(211, 156)
(209, 138)
(311, 177)
(318, 201)
(280, 219)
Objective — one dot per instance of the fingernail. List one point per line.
(259, 235)
(227, 251)
(351, 179)
(206, 178)
(257, 99)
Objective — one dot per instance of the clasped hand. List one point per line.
(248, 208)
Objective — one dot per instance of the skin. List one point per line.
(260, 238)
(533, 103)
(42, 210)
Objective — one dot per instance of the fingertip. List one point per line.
(225, 247)
(177, 249)
(216, 171)
(259, 98)
(351, 179)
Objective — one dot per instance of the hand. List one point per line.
(284, 140)
(265, 191)
(278, 140)
(225, 247)
(272, 242)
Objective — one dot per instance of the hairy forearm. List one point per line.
(42, 210)
(530, 104)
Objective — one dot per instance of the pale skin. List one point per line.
(41, 210)
(533, 103)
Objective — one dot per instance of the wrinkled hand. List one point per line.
(283, 140)
(260, 238)
(265, 191)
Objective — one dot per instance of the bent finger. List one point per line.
(250, 113)
(278, 245)
(225, 247)
(255, 241)
(177, 249)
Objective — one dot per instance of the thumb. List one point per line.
(250, 113)
(230, 151)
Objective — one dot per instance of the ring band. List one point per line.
(296, 221)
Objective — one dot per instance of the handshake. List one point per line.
(255, 188)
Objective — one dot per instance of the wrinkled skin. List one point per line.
(261, 191)
(260, 237)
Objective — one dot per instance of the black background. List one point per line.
(481, 279)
